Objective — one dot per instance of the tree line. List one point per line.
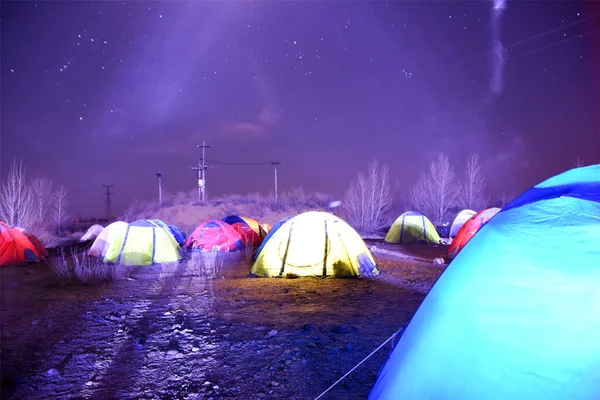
(438, 191)
(30, 203)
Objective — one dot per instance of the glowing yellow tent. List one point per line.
(315, 244)
(142, 242)
(110, 234)
(412, 227)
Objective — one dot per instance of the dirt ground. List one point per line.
(177, 332)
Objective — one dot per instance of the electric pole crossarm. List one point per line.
(201, 168)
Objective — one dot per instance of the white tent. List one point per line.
(104, 239)
(459, 221)
(92, 233)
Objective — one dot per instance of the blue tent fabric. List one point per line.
(516, 313)
(266, 239)
(177, 234)
(233, 219)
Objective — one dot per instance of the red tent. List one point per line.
(469, 228)
(249, 229)
(37, 244)
(214, 235)
(15, 248)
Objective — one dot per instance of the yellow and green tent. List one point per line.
(142, 242)
(315, 244)
(412, 227)
(110, 234)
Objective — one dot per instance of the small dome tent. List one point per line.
(515, 314)
(39, 247)
(92, 233)
(214, 235)
(15, 247)
(459, 221)
(315, 244)
(113, 234)
(469, 228)
(412, 227)
(249, 229)
(143, 242)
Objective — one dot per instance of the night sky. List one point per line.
(109, 92)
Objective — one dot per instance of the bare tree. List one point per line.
(436, 191)
(471, 195)
(579, 163)
(505, 199)
(60, 206)
(368, 200)
(41, 190)
(16, 201)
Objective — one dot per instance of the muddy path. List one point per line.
(177, 332)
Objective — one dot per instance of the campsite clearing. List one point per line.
(173, 331)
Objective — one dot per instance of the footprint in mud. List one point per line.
(140, 342)
(179, 318)
(173, 346)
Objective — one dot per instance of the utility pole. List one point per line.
(159, 176)
(275, 163)
(108, 211)
(201, 168)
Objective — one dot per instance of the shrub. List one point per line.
(86, 269)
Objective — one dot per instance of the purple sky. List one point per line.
(109, 92)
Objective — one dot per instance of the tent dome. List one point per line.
(113, 232)
(141, 242)
(515, 315)
(468, 229)
(412, 227)
(459, 221)
(92, 233)
(214, 235)
(15, 247)
(315, 243)
(37, 244)
(249, 229)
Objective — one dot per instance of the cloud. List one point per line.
(244, 129)
(258, 127)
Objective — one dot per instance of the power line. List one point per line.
(239, 164)
(520, 42)
(274, 163)
(518, 55)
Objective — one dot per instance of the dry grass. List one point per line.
(86, 269)
(248, 252)
(184, 210)
(208, 264)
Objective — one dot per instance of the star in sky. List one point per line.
(134, 86)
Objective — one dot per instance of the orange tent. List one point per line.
(266, 229)
(15, 248)
(469, 228)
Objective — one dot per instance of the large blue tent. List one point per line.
(516, 315)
